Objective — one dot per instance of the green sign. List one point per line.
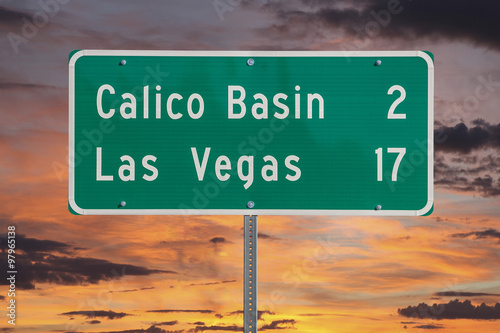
(240, 133)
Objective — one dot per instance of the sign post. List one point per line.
(251, 133)
(251, 237)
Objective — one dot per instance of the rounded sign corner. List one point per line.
(74, 56)
(74, 208)
(427, 210)
(428, 57)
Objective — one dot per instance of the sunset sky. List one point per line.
(159, 274)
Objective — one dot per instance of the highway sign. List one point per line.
(251, 133)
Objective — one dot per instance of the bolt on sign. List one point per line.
(251, 133)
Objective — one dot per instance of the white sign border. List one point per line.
(346, 54)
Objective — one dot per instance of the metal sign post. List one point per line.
(250, 274)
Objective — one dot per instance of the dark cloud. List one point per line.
(490, 233)
(94, 322)
(167, 323)
(152, 329)
(446, 18)
(232, 328)
(453, 310)
(198, 323)
(464, 161)
(212, 283)
(259, 313)
(97, 314)
(77, 271)
(24, 86)
(464, 177)
(462, 139)
(464, 184)
(430, 327)
(279, 325)
(462, 294)
(475, 22)
(183, 311)
(9, 16)
(441, 219)
(41, 262)
(266, 236)
(217, 240)
(131, 290)
(7, 329)
(32, 245)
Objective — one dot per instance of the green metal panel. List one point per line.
(335, 153)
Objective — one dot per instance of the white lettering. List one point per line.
(99, 176)
(99, 101)
(200, 168)
(232, 101)
(190, 106)
(262, 106)
(128, 105)
(170, 112)
(149, 167)
(130, 168)
(276, 101)
(293, 168)
(249, 176)
(222, 163)
(273, 168)
(310, 99)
